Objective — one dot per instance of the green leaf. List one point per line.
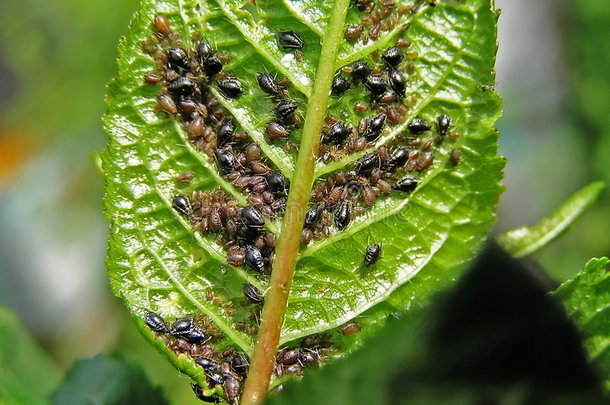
(157, 262)
(526, 240)
(586, 298)
(106, 380)
(27, 374)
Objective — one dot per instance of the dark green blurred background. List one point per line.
(55, 58)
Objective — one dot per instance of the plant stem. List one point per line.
(265, 349)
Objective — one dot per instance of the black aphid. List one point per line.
(360, 70)
(207, 363)
(252, 217)
(204, 51)
(239, 362)
(373, 252)
(253, 294)
(254, 259)
(285, 109)
(212, 399)
(214, 377)
(418, 126)
(247, 233)
(340, 86)
(443, 123)
(177, 58)
(212, 66)
(182, 86)
(231, 87)
(313, 216)
(155, 322)
(392, 56)
(276, 183)
(366, 164)
(375, 84)
(225, 133)
(398, 157)
(182, 204)
(290, 40)
(398, 82)
(374, 127)
(225, 160)
(182, 327)
(407, 184)
(195, 335)
(268, 84)
(342, 215)
(339, 132)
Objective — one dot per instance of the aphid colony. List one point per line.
(194, 337)
(377, 17)
(186, 76)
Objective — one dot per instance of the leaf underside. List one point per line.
(586, 299)
(157, 262)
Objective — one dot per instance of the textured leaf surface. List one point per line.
(526, 240)
(586, 298)
(156, 261)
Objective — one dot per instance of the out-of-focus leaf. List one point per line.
(586, 298)
(498, 337)
(526, 240)
(157, 262)
(27, 374)
(106, 380)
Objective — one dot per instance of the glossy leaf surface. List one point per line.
(428, 237)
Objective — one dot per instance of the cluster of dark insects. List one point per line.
(194, 337)
(188, 77)
(376, 18)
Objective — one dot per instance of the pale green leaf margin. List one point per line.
(526, 240)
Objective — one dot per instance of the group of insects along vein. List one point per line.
(392, 155)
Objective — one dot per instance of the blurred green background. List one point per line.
(55, 58)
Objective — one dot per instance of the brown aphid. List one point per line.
(166, 104)
(276, 131)
(232, 388)
(426, 146)
(267, 197)
(375, 31)
(353, 32)
(256, 200)
(185, 177)
(384, 186)
(231, 227)
(413, 154)
(215, 220)
(298, 56)
(350, 328)
(306, 236)
(425, 161)
(376, 175)
(340, 178)
(402, 43)
(270, 240)
(393, 116)
(455, 156)
(259, 167)
(404, 9)
(162, 24)
(368, 196)
(195, 128)
(253, 152)
(224, 58)
(387, 98)
(171, 75)
(151, 78)
(359, 107)
(334, 196)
